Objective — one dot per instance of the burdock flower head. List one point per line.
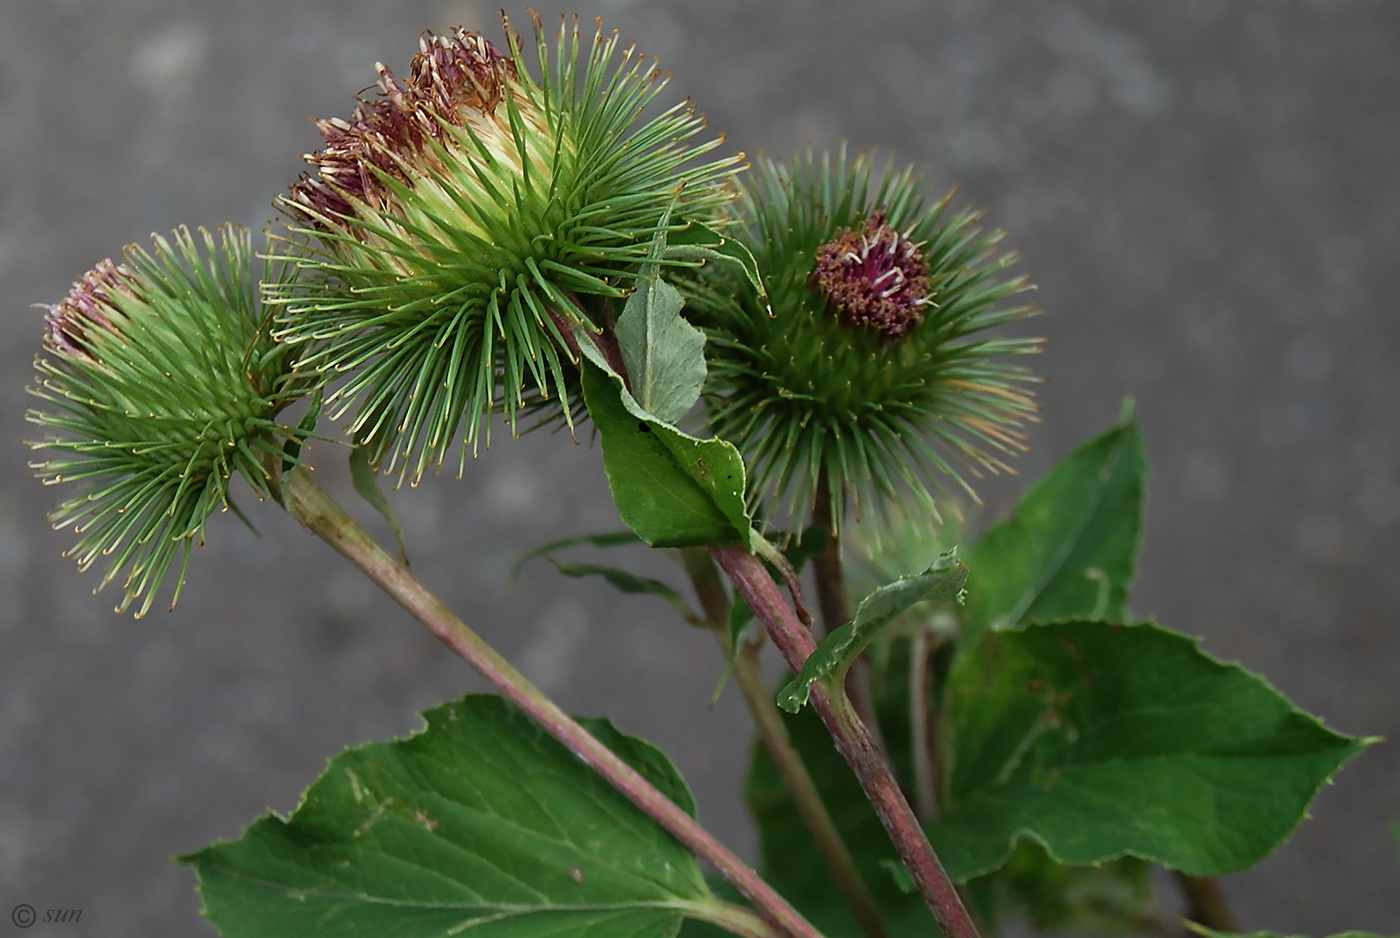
(873, 372)
(463, 217)
(161, 382)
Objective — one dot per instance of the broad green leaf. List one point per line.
(664, 354)
(480, 824)
(628, 583)
(609, 539)
(832, 658)
(1100, 740)
(672, 489)
(366, 482)
(1068, 552)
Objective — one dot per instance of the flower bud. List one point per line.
(873, 367)
(160, 381)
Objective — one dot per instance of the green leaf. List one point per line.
(673, 489)
(1100, 740)
(699, 243)
(609, 539)
(664, 354)
(366, 482)
(1068, 552)
(943, 580)
(480, 823)
(1114, 897)
(628, 583)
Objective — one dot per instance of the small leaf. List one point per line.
(900, 873)
(366, 482)
(1101, 740)
(609, 539)
(844, 645)
(628, 583)
(698, 242)
(664, 354)
(1068, 552)
(673, 489)
(479, 824)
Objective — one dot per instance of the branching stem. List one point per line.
(854, 741)
(319, 513)
(704, 577)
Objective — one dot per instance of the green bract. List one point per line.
(868, 367)
(463, 217)
(162, 382)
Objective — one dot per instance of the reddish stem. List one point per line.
(854, 741)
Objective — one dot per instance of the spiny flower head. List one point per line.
(461, 218)
(160, 381)
(874, 367)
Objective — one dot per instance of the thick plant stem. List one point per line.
(854, 741)
(704, 577)
(1206, 904)
(319, 513)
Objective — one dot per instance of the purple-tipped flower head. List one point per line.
(465, 214)
(452, 77)
(874, 278)
(68, 322)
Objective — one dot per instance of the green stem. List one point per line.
(319, 513)
(732, 918)
(704, 577)
(854, 741)
(926, 779)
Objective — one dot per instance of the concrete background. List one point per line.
(1206, 193)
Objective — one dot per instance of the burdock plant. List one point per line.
(464, 217)
(479, 237)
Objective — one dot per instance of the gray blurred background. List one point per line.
(1205, 192)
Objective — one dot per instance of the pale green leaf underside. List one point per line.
(943, 580)
(1068, 552)
(1102, 740)
(478, 824)
(664, 354)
